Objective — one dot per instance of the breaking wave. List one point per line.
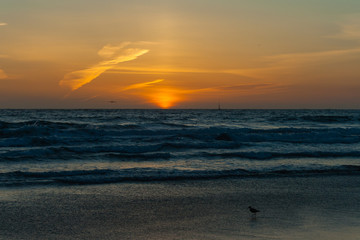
(150, 174)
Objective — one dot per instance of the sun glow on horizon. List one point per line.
(164, 98)
(156, 93)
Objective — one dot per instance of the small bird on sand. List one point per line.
(253, 210)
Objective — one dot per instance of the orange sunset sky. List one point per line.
(180, 54)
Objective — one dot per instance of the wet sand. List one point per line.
(291, 208)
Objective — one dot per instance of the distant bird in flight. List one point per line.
(111, 101)
(253, 210)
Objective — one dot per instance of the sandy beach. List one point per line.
(291, 208)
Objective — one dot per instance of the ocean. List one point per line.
(83, 147)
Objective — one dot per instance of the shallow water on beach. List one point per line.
(66, 147)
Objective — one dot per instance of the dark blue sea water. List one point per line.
(63, 147)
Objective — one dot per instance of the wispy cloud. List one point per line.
(311, 55)
(276, 65)
(109, 50)
(162, 70)
(142, 85)
(349, 28)
(114, 54)
(244, 87)
(351, 31)
(3, 24)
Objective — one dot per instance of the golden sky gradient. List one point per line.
(180, 54)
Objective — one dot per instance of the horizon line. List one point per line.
(167, 109)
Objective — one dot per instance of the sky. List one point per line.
(180, 54)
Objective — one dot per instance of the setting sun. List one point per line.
(164, 98)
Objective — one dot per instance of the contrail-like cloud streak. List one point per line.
(142, 85)
(75, 80)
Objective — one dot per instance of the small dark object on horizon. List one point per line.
(253, 210)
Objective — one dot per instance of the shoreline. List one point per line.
(322, 207)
